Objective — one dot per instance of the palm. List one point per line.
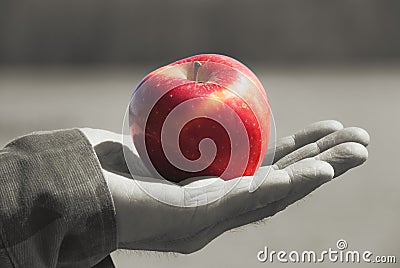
(302, 163)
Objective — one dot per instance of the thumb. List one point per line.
(97, 136)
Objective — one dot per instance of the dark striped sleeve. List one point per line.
(55, 207)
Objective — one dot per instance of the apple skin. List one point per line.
(204, 97)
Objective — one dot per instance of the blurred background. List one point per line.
(132, 32)
(67, 64)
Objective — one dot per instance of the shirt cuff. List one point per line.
(55, 206)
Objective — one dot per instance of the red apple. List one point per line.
(206, 115)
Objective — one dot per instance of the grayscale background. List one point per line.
(67, 64)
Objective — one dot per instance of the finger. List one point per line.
(97, 136)
(309, 134)
(344, 156)
(351, 134)
(308, 174)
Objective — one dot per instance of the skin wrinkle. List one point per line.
(301, 153)
(277, 193)
(343, 154)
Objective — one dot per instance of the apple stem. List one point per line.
(196, 68)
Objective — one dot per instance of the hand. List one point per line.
(302, 163)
